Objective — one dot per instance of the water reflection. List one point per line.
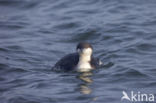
(84, 88)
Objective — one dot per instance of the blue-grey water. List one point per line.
(35, 34)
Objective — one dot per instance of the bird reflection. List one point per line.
(84, 88)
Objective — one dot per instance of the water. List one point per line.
(34, 34)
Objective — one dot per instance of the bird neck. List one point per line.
(85, 58)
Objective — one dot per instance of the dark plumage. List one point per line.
(70, 61)
(83, 45)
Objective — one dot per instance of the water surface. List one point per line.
(34, 34)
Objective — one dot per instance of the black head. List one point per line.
(83, 45)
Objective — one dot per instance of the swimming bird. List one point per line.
(82, 60)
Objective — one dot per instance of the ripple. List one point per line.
(2, 79)
(130, 74)
(3, 50)
(18, 3)
(19, 99)
(12, 25)
(151, 84)
(146, 47)
(35, 33)
(10, 2)
(68, 25)
(135, 74)
(18, 70)
(108, 65)
(90, 34)
(3, 66)
(14, 47)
